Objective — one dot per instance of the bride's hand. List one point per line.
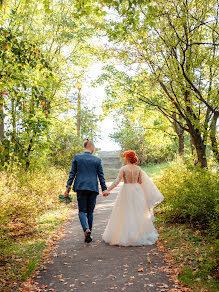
(106, 193)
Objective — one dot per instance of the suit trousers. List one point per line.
(86, 204)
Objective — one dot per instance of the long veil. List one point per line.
(152, 195)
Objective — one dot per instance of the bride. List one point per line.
(130, 222)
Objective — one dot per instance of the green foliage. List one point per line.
(154, 170)
(30, 214)
(21, 255)
(139, 127)
(89, 124)
(64, 143)
(150, 146)
(191, 196)
(26, 195)
(45, 47)
(26, 103)
(195, 256)
(170, 52)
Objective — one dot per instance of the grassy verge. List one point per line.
(154, 170)
(191, 253)
(187, 224)
(20, 256)
(29, 218)
(191, 250)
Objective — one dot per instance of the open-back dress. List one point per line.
(131, 220)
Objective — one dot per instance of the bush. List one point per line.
(149, 150)
(191, 195)
(26, 195)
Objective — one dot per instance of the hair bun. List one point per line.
(88, 143)
(131, 156)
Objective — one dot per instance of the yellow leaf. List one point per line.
(149, 260)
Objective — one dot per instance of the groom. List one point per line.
(85, 169)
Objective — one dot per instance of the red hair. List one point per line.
(131, 156)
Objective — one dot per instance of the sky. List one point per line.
(95, 97)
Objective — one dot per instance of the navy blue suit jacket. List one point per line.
(86, 168)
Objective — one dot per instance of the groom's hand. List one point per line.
(106, 193)
(66, 194)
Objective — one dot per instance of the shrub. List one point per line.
(26, 195)
(191, 195)
(148, 147)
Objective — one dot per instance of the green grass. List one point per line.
(21, 256)
(154, 170)
(193, 253)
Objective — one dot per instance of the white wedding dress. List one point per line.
(130, 222)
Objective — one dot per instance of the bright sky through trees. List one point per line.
(95, 97)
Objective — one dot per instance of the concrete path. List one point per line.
(111, 163)
(98, 267)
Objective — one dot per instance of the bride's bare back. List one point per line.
(130, 173)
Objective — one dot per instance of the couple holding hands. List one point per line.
(131, 220)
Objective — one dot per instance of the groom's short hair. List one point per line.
(88, 143)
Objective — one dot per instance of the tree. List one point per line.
(174, 44)
(18, 59)
(64, 141)
(44, 47)
(122, 99)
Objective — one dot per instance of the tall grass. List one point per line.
(188, 222)
(30, 213)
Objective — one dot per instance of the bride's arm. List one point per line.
(116, 181)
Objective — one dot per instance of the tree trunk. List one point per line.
(181, 138)
(181, 141)
(2, 128)
(213, 132)
(3, 139)
(28, 154)
(192, 145)
(200, 148)
(14, 131)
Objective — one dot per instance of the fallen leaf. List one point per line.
(149, 260)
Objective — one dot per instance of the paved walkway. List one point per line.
(98, 267)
